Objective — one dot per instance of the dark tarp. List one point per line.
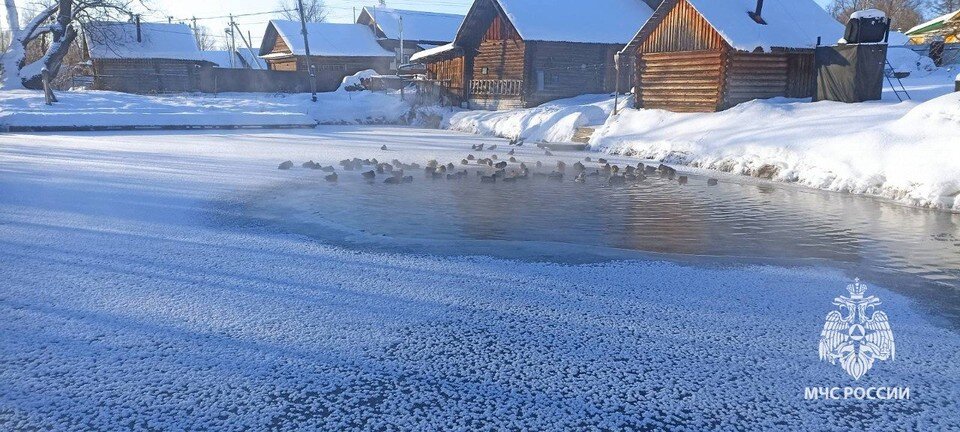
(850, 73)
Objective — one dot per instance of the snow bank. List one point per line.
(25, 108)
(552, 122)
(869, 148)
(906, 60)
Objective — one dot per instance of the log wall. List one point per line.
(450, 73)
(680, 81)
(558, 70)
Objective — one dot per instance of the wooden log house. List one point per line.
(708, 55)
(143, 57)
(336, 50)
(523, 53)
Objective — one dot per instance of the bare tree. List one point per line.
(313, 10)
(56, 27)
(943, 7)
(205, 40)
(904, 14)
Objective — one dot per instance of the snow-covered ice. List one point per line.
(132, 296)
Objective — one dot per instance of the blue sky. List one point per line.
(340, 11)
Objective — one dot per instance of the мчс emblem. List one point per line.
(853, 336)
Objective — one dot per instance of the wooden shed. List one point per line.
(336, 50)
(143, 57)
(522, 53)
(708, 55)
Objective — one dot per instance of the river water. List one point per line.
(914, 251)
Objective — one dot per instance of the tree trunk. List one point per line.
(62, 34)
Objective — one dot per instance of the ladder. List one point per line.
(896, 91)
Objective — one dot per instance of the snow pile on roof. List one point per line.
(417, 25)
(935, 23)
(115, 40)
(897, 39)
(790, 23)
(868, 13)
(251, 57)
(328, 39)
(432, 52)
(222, 59)
(596, 21)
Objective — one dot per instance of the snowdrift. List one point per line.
(551, 122)
(868, 149)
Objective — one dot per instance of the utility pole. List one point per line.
(400, 62)
(196, 34)
(233, 43)
(169, 19)
(306, 49)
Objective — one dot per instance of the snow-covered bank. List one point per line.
(26, 108)
(871, 148)
(131, 298)
(551, 122)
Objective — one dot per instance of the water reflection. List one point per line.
(919, 249)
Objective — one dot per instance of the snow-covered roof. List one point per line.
(935, 23)
(594, 21)
(329, 39)
(790, 23)
(442, 49)
(250, 57)
(417, 25)
(116, 40)
(222, 59)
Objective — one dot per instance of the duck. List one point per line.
(513, 159)
(471, 157)
(383, 147)
(683, 180)
(602, 161)
(328, 169)
(332, 178)
(511, 152)
(579, 167)
(561, 166)
(500, 165)
(581, 177)
(393, 180)
(493, 147)
(286, 165)
(369, 175)
(713, 182)
(310, 164)
(547, 153)
(408, 179)
(488, 179)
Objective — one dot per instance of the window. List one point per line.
(485, 71)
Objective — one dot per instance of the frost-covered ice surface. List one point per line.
(131, 297)
(104, 108)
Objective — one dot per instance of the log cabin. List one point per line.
(523, 53)
(143, 57)
(336, 50)
(708, 55)
(419, 30)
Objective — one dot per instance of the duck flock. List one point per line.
(492, 169)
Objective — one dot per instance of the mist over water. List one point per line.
(914, 251)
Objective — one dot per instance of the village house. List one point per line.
(945, 28)
(419, 30)
(336, 50)
(143, 57)
(707, 55)
(522, 53)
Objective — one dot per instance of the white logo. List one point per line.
(857, 339)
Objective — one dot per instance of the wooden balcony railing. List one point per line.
(496, 87)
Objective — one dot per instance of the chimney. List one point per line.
(757, 15)
(139, 37)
